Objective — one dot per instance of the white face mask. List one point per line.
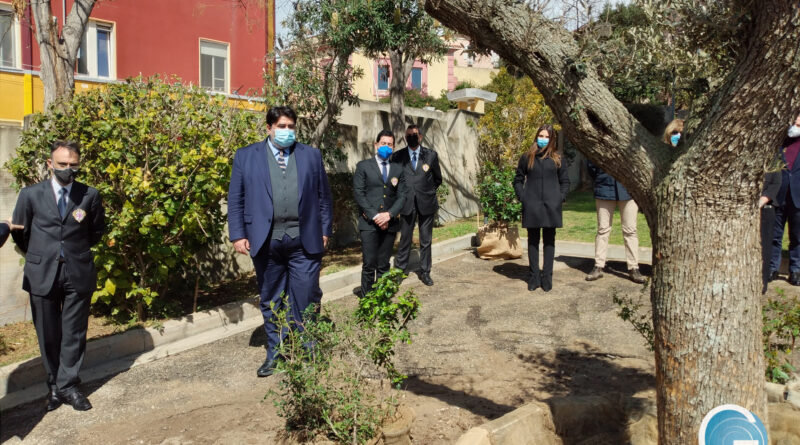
(794, 131)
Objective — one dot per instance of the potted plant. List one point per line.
(499, 237)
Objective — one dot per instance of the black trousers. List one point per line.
(767, 233)
(61, 319)
(425, 237)
(548, 237)
(376, 249)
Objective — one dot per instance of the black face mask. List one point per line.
(412, 140)
(66, 175)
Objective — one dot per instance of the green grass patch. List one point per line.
(580, 221)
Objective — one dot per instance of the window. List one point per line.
(383, 77)
(214, 66)
(416, 78)
(9, 51)
(96, 53)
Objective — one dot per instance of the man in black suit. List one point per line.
(62, 220)
(380, 191)
(423, 176)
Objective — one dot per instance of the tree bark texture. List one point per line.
(401, 68)
(58, 53)
(699, 200)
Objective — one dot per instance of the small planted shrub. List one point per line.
(337, 374)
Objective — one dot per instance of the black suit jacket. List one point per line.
(373, 196)
(422, 182)
(4, 231)
(46, 233)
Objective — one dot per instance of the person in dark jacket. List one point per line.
(787, 208)
(379, 190)
(608, 195)
(541, 184)
(5, 229)
(772, 184)
(423, 177)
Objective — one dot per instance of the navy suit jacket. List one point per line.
(791, 178)
(250, 209)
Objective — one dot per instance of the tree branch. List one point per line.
(75, 24)
(591, 117)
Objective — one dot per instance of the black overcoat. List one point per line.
(541, 190)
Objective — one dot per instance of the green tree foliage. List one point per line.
(403, 30)
(508, 127)
(314, 75)
(417, 99)
(653, 51)
(160, 155)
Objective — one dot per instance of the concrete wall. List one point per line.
(451, 134)
(13, 300)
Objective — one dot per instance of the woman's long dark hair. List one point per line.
(550, 151)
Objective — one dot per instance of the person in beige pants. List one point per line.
(609, 195)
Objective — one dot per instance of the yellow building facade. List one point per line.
(442, 75)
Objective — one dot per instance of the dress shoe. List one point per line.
(426, 279)
(794, 278)
(774, 275)
(267, 368)
(595, 274)
(636, 276)
(75, 399)
(533, 285)
(53, 401)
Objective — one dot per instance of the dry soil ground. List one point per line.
(484, 346)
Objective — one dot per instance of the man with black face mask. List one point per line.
(423, 176)
(62, 220)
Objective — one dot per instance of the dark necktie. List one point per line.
(62, 202)
(385, 173)
(414, 160)
(281, 160)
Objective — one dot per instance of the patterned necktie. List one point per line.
(281, 160)
(385, 173)
(414, 160)
(62, 202)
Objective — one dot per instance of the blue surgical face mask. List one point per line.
(284, 137)
(384, 151)
(675, 138)
(542, 142)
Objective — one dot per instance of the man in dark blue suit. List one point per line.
(280, 211)
(788, 206)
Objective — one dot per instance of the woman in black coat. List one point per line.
(541, 184)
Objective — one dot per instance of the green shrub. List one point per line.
(781, 329)
(332, 372)
(160, 155)
(499, 203)
(417, 99)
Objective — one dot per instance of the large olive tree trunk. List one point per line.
(700, 201)
(58, 53)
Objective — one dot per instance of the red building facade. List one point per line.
(219, 44)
